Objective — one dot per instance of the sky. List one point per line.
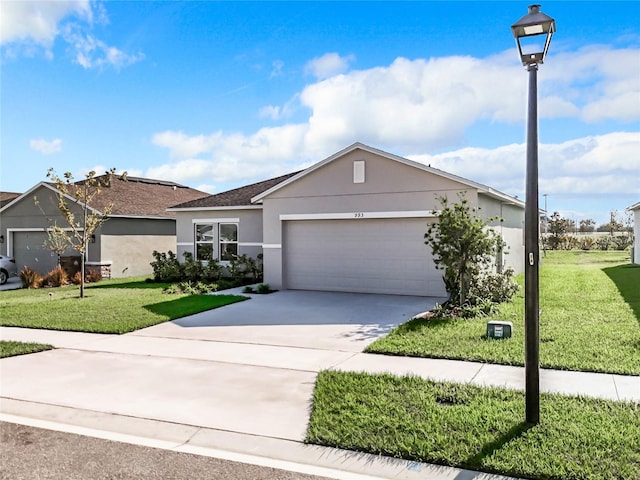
(216, 95)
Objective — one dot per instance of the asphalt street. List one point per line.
(36, 454)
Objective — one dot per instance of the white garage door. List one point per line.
(368, 256)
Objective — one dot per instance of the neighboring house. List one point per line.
(354, 222)
(635, 250)
(6, 197)
(138, 224)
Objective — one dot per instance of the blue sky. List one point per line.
(216, 95)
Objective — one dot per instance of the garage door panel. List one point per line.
(376, 256)
(29, 250)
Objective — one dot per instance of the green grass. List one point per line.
(477, 428)
(110, 306)
(590, 320)
(11, 349)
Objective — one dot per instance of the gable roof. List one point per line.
(635, 206)
(132, 197)
(237, 197)
(503, 197)
(7, 197)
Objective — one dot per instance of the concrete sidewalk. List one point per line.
(243, 388)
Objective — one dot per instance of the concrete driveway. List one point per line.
(248, 368)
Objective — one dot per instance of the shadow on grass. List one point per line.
(492, 447)
(140, 284)
(627, 280)
(191, 304)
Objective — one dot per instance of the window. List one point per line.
(204, 241)
(228, 235)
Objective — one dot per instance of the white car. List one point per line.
(8, 268)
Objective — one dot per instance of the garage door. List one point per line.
(368, 256)
(28, 249)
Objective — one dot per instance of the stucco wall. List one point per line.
(249, 229)
(131, 255)
(389, 186)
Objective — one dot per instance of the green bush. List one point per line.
(494, 287)
(166, 267)
(620, 243)
(603, 243)
(263, 288)
(192, 269)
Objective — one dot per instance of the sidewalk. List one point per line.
(239, 401)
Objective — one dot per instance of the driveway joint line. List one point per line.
(132, 334)
(190, 359)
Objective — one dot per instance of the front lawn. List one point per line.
(110, 306)
(10, 348)
(590, 321)
(477, 428)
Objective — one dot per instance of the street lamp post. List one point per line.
(528, 31)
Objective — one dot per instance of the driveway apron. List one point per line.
(249, 367)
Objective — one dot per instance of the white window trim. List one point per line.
(215, 223)
(10, 232)
(236, 242)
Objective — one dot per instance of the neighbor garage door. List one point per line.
(28, 249)
(368, 255)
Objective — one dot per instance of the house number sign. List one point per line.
(358, 215)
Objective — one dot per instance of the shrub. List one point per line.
(56, 277)
(76, 279)
(212, 271)
(494, 287)
(263, 288)
(603, 243)
(192, 268)
(191, 288)
(93, 275)
(166, 267)
(620, 243)
(248, 289)
(30, 278)
(587, 243)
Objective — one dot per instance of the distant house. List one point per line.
(138, 224)
(635, 251)
(353, 222)
(6, 197)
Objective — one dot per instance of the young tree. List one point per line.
(462, 246)
(558, 226)
(81, 227)
(587, 225)
(56, 242)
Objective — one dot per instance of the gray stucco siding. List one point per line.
(249, 228)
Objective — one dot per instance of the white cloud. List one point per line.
(46, 147)
(415, 106)
(328, 65)
(591, 165)
(37, 21)
(29, 26)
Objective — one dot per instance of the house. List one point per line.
(138, 224)
(635, 250)
(6, 197)
(354, 222)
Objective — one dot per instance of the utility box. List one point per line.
(499, 329)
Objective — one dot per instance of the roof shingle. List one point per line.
(141, 197)
(237, 197)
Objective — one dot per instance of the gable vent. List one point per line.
(358, 171)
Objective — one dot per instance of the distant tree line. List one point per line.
(557, 233)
